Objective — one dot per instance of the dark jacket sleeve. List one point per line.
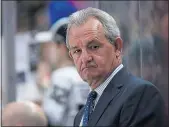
(143, 108)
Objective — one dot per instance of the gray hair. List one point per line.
(109, 24)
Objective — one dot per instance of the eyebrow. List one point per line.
(73, 47)
(89, 43)
(94, 41)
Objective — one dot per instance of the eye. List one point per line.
(76, 51)
(94, 47)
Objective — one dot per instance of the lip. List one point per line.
(87, 68)
(84, 68)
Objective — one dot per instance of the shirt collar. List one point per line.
(102, 86)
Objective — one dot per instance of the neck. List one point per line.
(96, 82)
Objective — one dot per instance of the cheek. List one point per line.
(100, 61)
(77, 63)
(105, 60)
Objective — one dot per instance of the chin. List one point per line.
(89, 77)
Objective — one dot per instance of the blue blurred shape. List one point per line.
(60, 9)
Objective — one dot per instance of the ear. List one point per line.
(70, 55)
(118, 46)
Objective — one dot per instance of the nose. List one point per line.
(86, 57)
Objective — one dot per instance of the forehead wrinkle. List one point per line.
(86, 36)
(93, 31)
(94, 28)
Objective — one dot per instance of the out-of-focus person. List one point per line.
(161, 47)
(43, 76)
(39, 86)
(152, 59)
(23, 114)
(41, 64)
(68, 92)
(47, 48)
(40, 69)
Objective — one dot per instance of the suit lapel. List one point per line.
(108, 95)
(102, 104)
(79, 117)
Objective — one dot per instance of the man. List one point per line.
(117, 99)
(68, 92)
(23, 114)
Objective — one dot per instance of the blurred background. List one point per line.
(28, 57)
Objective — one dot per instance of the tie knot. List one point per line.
(93, 94)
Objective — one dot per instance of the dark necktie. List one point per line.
(88, 109)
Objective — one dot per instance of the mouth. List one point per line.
(85, 68)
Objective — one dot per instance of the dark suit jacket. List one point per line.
(127, 101)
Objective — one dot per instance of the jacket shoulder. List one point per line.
(141, 83)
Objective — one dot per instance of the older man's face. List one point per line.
(93, 55)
